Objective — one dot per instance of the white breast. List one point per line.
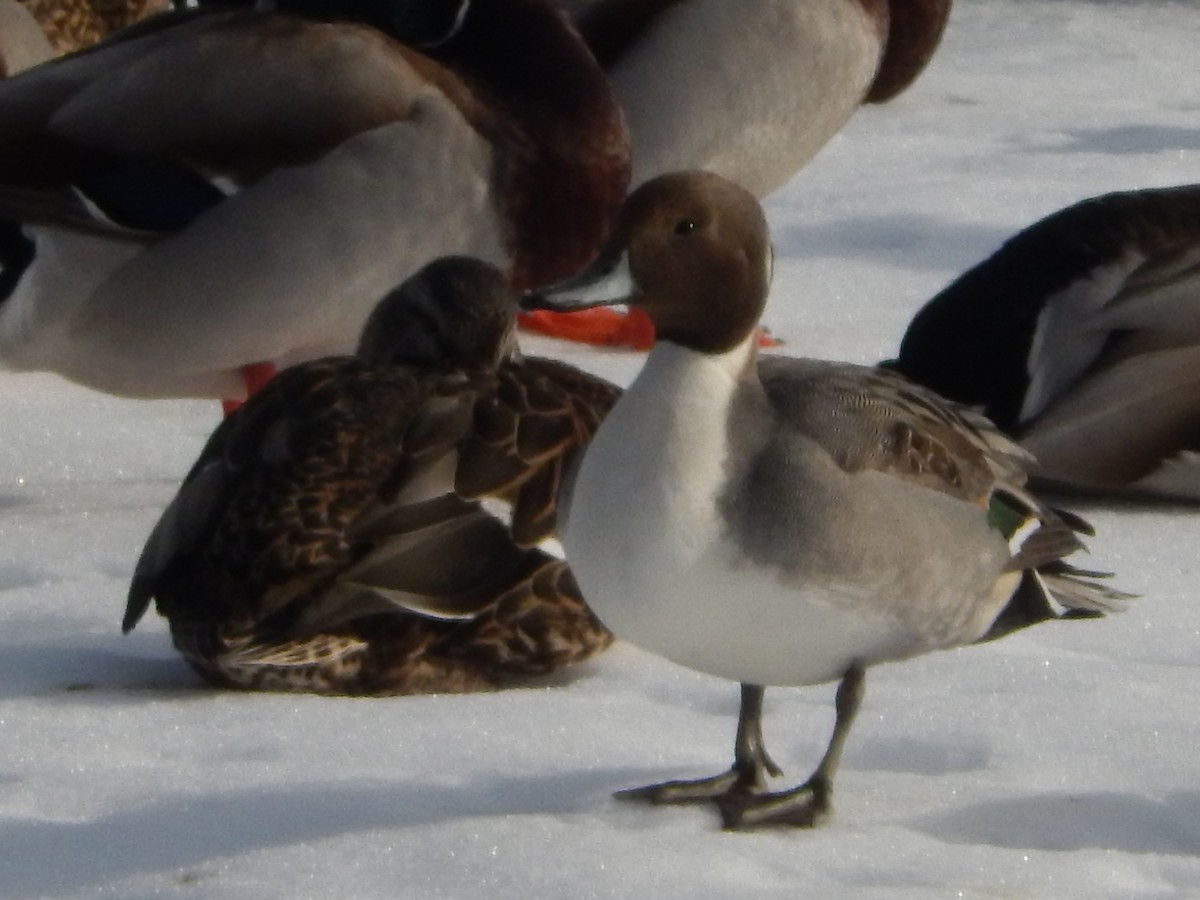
(655, 556)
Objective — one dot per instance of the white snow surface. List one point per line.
(1060, 762)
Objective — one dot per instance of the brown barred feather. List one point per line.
(76, 24)
(312, 573)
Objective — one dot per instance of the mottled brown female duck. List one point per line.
(329, 538)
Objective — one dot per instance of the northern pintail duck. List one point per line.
(209, 191)
(22, 43)
(750, 90)
(784, 521)
(1080, 337)
(328, 539)
(75, 24)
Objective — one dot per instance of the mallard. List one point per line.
(209, 192)
(329, 538)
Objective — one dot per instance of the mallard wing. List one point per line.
(526, 437)
(196, 106)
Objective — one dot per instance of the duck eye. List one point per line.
(685, 226)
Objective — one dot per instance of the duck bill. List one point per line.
(606, 282)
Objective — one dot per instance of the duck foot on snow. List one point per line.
(739, 794)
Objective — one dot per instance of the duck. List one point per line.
(778, 80)
(209, 196)
(781, 521)
(1078, 338)
(75, 24)
(749, 90)
(22, 43)
(333, 535)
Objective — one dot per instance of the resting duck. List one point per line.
(1079, 337)
(75, 24)
(327, 539)
(211, 191)
(750, 90)
(22, 43)
(784, 521)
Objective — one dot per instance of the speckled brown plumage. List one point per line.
(542, 412)
(332, 536)
(75, 24)
(313, 465)
(540, 625)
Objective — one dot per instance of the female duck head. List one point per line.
(692, 250)
(456, 311)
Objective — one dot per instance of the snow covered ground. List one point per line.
(1058, 763)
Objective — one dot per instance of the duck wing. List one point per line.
(196, 105)
(331, 496)
(277, 485)
(1078, 337)
(527, 437)
(873, 419)
(893, 426)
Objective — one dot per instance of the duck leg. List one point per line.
(810, 803)
(748, 776)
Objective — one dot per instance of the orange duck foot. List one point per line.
(604, 327)
(255, 375)
(601, 326)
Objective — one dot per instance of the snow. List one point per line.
(1057, 763)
